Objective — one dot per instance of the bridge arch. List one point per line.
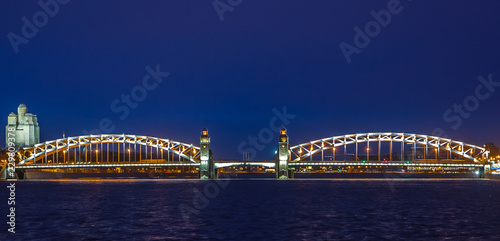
(468, 151)
(39, 151)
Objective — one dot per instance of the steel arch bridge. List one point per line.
(67, 153)
(42, 151)
(468, 151)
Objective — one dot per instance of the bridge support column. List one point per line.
(3, 173)
(282, 170)
(480, 172)
(207, 165)
(486, 169)
(19, 174)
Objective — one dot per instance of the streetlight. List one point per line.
(368, 154)
(96, 155)
(128, 154)
(64, 154)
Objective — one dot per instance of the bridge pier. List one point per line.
(282, 170)
(3, 173)
(486, 169)
(19, 174)
(481, 172)
(207, 165)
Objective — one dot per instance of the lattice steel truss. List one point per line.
(468, 151)
(41, 150)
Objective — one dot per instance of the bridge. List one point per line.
(118, 151)
(380, 150)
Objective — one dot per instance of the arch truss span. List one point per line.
(128, 147)
(429, 145)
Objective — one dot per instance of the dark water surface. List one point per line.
(361, 209)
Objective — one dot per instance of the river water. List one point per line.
(319, 209)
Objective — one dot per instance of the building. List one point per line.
(25, 125)
(494, 150)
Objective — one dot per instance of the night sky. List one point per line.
(229, 75)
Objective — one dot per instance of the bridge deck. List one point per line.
(52, 166)
(229, 164)
(326, 163)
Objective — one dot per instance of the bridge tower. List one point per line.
(282, 171)
(207, 166)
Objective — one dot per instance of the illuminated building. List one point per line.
(26, 129)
